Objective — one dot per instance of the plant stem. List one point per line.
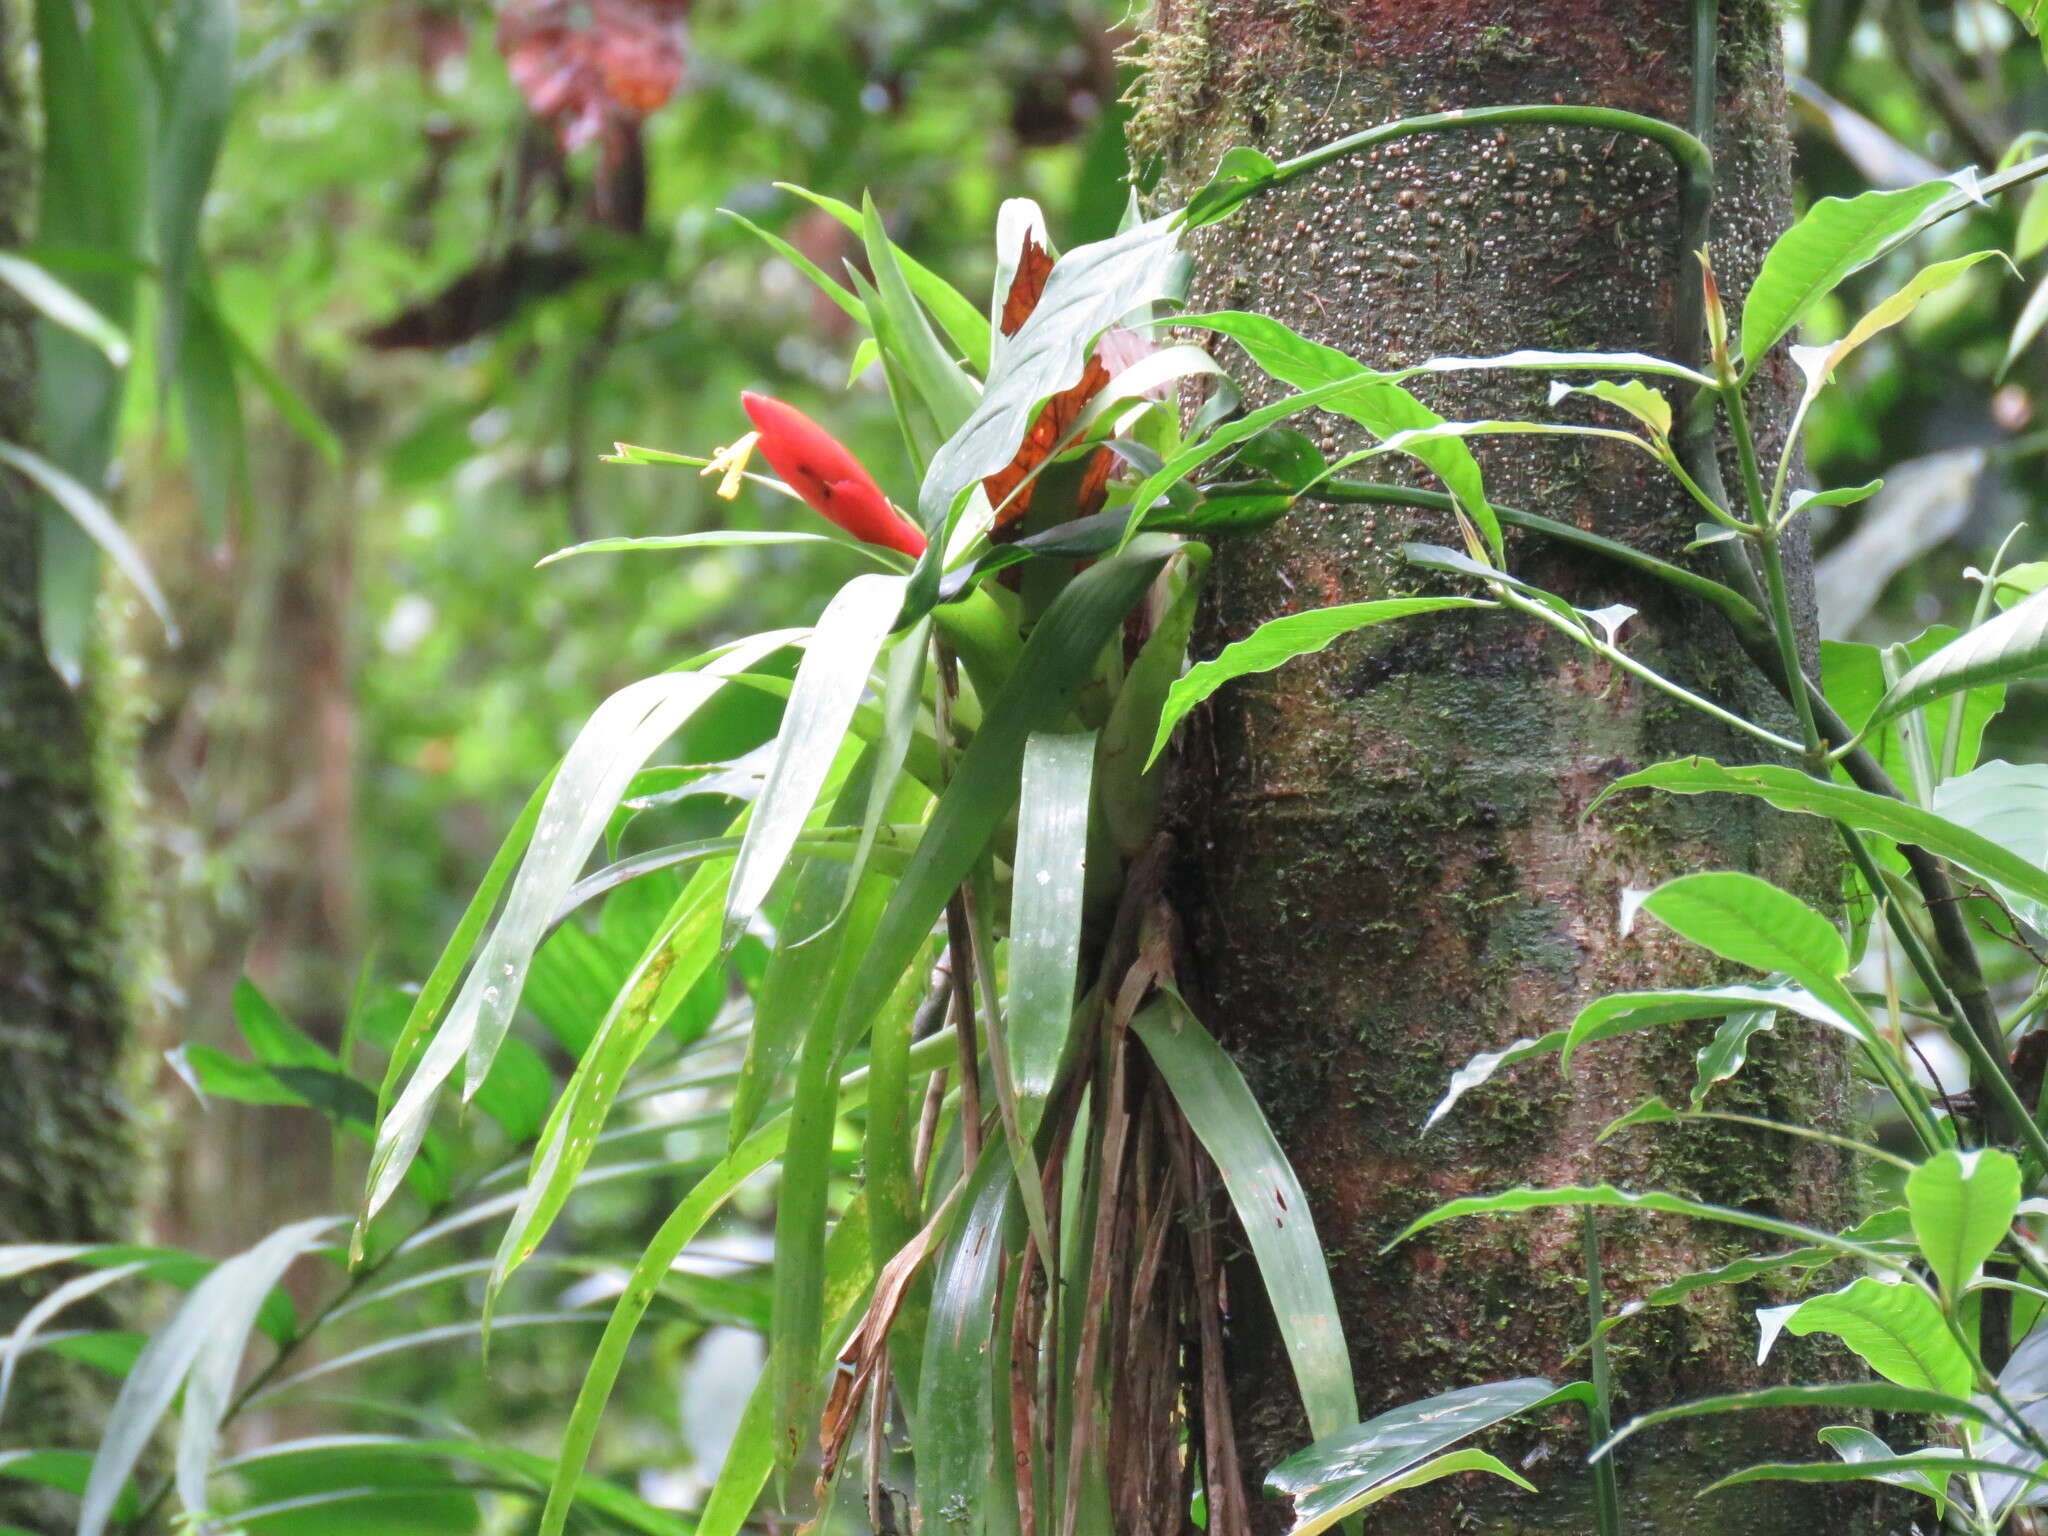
(1599, 1412)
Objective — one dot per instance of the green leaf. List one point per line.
(956, 1436)
(1879, 1231)
(65, 1470)
(199, 90)
(2009, 645)
(198, 1350)
(746, 1469)
(1128, 786)
(1645, 404)
(1790, 790)
(2006, 804)
(586, 789)
(1858, 1447)
(92, 517)
(684, 946)
(61, 306)
(1876, 1396)
(1962, 1205)
(1279, 641)
(1896, 1328)
(1840, 496)
(829, 683)
(962, 322)
(78, 1288)
(1820, 363)
(1238, 175)
(722, 538)
(2033, 315)
(1269, 1202)
(1853, 677)
(905, 336)
(1754, 923)
(1046, 901)
(1414, 1477)
(1723, 1056)
(1571, 1196)
(1377, 404)
(1062, 651)
(836, 292)
(1837, 236)
(1908, 1471)
(1325, 1479)
(1621, 1013)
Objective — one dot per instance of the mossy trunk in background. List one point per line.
(67, 1160)
(1390, 866)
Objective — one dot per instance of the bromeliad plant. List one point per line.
(933, 926)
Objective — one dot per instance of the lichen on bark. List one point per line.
(1391, 862)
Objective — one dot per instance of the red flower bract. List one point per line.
(816, 465)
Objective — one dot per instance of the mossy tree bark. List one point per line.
(67, 1163)
(1390, 866)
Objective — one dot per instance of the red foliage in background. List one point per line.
(584, 65)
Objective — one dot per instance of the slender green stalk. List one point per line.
(1694, 161)
(1629, 664)
(1599, 1412)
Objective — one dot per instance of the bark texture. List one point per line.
(1391, 866)
(67, 1161)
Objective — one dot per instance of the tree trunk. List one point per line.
(1390, 864)
(67, 1162)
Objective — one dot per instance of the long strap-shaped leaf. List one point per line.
(1060, 654)
(211, 1327)
(610, 749)
(1219, 1107)
(1045, 913)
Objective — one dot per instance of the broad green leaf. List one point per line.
(829, 683)
(2009, 645)
(1895, 1327)
(1279, 641)
(1908, 1471)
(198, 1350)
(1835, 237)
(1620, 1013)
(597, 1496)
(1853, 676)
(1723, 1056)
(1636, 398)
(1377, 404)
(1820, 363)
(1269, 1202)
(96, 522)
(1754, 923)
(1624, 1011)
(1875, 1396)
(1790, 790)
(1128, 784)
(1429, 1472)
(216, 437)
(1326, 1478)
(610, 749)
(199, 89)
(1576, 1196)
(1962, 1205)
(1858, 1447)
(1046, 896)
(1239, 174)
(956, 1433)
(723, 538)
(2006, 804)
(61, 306)
(1090, 289)
(1879, 1231)
(1839, 496)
